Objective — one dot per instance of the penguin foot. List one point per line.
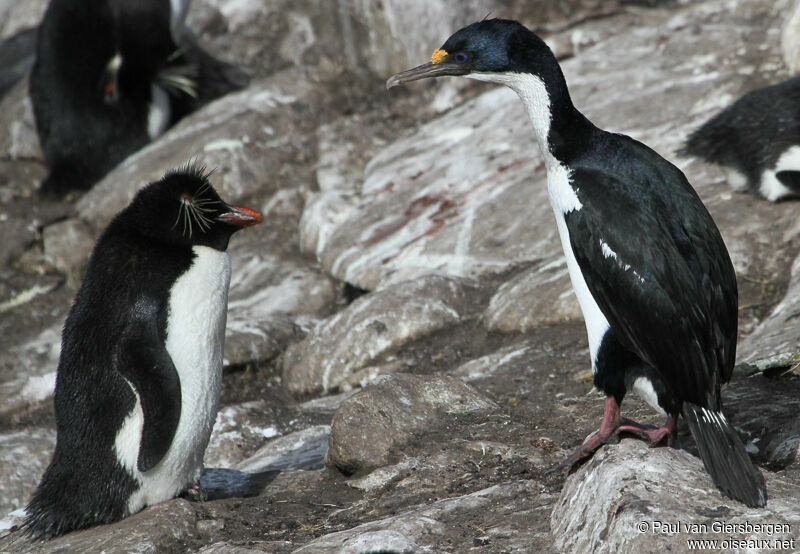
(194, 493)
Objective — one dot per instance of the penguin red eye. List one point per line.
(461, 57)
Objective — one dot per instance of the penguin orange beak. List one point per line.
(241, 217)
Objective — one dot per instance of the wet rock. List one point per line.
(622, 499)
(371, 327)
(30, 388)
(18, 139)
(385, 415)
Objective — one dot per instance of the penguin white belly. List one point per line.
(564, 200)
(195, 338)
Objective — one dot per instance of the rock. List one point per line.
(16, 15)
(32, 387)
(271, 300)
(352, 35)
(68, 245)
(160, 528)
(385, 415)
(623, 499)
(304, 449)
(418, 212)
(526, 302)
(778, 332)
(501, 515)
(24, 455)
(790, 40)
(371, 327)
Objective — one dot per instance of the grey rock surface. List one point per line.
(640, 499)
(385, 416)
(372, 326)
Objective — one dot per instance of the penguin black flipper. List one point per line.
(147, 366)
(648, 276)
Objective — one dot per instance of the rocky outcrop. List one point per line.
(632, 498)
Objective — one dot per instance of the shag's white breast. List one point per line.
(195, 338)
(534, 96)
(563, 201)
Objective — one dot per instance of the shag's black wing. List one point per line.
(144, 361)
(656, 265)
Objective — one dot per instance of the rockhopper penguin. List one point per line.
(109, 77)
(756, 141)
(141, 358)
(652, 275)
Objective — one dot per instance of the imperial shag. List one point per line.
(756, 141)
(652, 275)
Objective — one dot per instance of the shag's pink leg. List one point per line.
(653, 435)
(612, 425)
(607, 428)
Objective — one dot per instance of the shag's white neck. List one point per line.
(534, 96)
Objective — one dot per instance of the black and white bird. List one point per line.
(756, 141)
(112, 75)
(650, 270)
(141, 358)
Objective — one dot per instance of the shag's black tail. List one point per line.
(725, 457)
(230, 483)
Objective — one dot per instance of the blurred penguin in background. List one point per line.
(112, 75)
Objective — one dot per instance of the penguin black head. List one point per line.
(491, 46)
(184, 209)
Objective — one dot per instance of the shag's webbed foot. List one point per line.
(611, 426)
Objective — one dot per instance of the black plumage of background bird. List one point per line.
(112, 75)
(756, 141)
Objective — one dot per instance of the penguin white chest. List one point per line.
(195, 338)
(563, 201)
